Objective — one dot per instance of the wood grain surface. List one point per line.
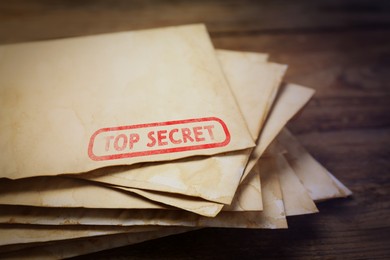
(340, 48)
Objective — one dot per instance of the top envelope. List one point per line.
(74, 105)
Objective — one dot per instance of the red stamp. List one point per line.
(158, 138)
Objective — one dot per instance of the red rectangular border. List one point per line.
(157, 151)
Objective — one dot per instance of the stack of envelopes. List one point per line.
(119, 138)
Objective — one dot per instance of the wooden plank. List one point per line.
(34, 20)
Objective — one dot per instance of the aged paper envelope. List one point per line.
(344, 190)
(29, 195)
(247, 195)
(260, 81)
(19, 234)
(272, 216)
(215, 178)
(74, 105)
(317, 180)
(57, 191)
(295, 197)
(76, 247)
(92, 195)
(291, 99)
(253, 83)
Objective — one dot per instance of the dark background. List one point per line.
(340, 48)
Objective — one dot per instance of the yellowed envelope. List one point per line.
(74, 105)
(77, 247)
(291, 99)
(247, 195)
(215, 178)
(28, 195)
(317, 180)
(19, 234)
(344, 190)
(279, 112)
(295, 197)
(57, 191)
(253, 83)
(260, 80)
(274, 148)
(272, 216)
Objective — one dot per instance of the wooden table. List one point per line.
(340, 48)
